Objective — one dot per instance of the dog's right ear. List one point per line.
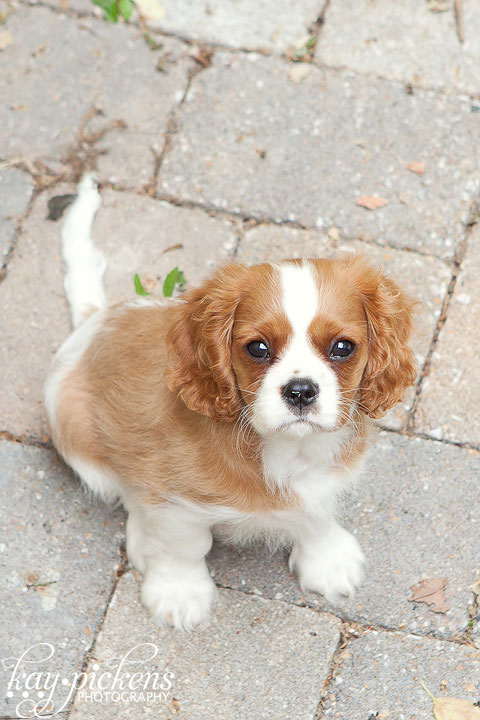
(199, 341)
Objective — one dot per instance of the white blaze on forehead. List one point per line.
(300, 300)
(299, 296)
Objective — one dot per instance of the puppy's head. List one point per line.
(299, 345)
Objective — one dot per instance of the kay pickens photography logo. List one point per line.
(38, 692)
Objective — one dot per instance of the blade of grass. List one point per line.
(139, 289)
(170, 282)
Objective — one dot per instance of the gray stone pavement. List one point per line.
(54, 545)
(401, 661)
(249, 661)
(15, 190)
(249, 157)
(402, 40)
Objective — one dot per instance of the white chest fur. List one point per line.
(307, 466)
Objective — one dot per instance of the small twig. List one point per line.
(459, 20)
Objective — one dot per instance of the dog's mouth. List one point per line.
(302, 425)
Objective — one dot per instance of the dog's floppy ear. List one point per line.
(199, 341)
(391, 365)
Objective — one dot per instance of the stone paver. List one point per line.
(451, 392)
(398, 40)
(58, 555)
(143, 246)
(307, 152)
(256, 659)
(105, 67)
(261, 138)
(381, 673)
(271, 24)
(15, 192)
(416, 516)
(424, 278)
(135, 233)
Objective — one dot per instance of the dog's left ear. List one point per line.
(391, 367)
(199, 341)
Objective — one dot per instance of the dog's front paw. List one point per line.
(181, 602)
(333, 566)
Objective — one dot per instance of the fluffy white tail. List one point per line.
(84, 263)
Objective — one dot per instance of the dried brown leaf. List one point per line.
(455, 709)
(449, 708)
(203, 56)
(57, 206)
(371, 202)
(175, 706)
(432, 592)
(417, 167)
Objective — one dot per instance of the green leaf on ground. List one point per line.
(110, 8)
(139, 289)
(174, 278)
(125, 8)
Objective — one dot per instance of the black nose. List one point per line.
(300, 392)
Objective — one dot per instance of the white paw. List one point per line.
(181, 602)
(333, 566)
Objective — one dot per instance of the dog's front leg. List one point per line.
(327, 559)
(168, 544)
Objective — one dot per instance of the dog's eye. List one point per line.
(258, 350)
(341, 349)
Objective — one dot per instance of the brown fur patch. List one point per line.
(351, 289)
(116, 411)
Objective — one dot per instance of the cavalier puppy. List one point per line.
(243, 406)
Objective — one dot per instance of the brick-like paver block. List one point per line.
(61, 72)
(381, 673)
(256, 659)
(58, 555)
(145, 236)
(253, 141)
(451, 391)
(271, 24)
(425, 278)
(15, 192)
(136, 233)
(416, 516)
(401, 41)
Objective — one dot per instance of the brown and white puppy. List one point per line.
(242, 406)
